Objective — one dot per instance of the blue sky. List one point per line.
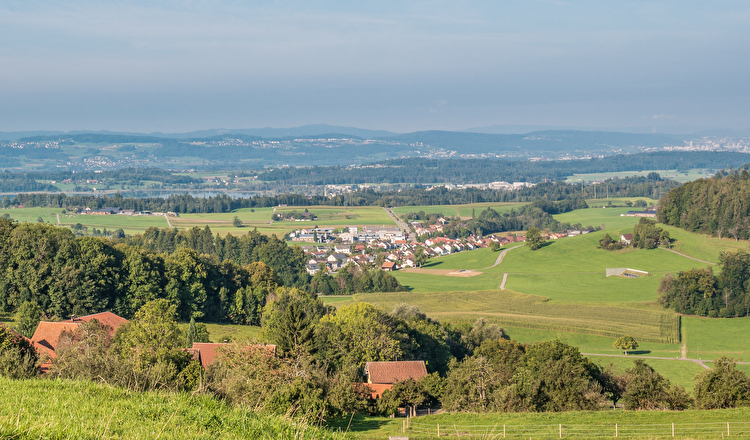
(394, 65)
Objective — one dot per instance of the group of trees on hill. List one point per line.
(719, 206)
(216, 279)
(700, 292)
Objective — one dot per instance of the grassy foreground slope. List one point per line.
(58, 409)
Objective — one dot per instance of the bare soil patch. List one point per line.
(444, 272)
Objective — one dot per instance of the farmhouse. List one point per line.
(382, 375)
(626, 239)
(47, 335)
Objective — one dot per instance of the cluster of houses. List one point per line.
(120, 211)
(352, 234)
(398, 254)
(380, 376)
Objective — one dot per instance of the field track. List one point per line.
(502, 255)
(688, 256)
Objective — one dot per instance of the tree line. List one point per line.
(719, 206)
(212, 278)
(701, 292)
(428, 171)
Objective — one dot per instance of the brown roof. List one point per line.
(207, 350)
(627, 236)
(396, 371)
(389, 264)
(47, 335)
(106, 318)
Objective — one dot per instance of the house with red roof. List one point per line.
(382, 375)
(47, 334)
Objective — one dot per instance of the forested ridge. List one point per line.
(651, 186)
(431, 171)
(719, 206)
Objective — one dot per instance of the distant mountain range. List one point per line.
(325, 129)
(268, 132)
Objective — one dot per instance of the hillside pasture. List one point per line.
(467, 260)
(579, 254)
(709, 338)
(532, 311)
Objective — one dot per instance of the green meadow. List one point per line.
(474, 260)
(679, 176)
(691, 424)
(339, 216)
(458, 210)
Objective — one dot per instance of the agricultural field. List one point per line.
(679, 176)
(464, 211)
(221, 223)
(339, 216)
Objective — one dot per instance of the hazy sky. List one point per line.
(395, 65)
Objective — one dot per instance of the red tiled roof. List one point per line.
(396, 371)
(106, 318)
(388, 264)
(47, 335)
(207, 350)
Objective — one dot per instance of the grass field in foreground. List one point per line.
(61, 409)
(581, 424)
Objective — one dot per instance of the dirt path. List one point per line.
(697, 361)
(687, 256)
(502, 255)
(58, 218)
(168, 223)
(505, 278)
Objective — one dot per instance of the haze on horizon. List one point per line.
(174, 66)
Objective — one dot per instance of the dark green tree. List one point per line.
(723, 386)
(28, 317)
(534, 239)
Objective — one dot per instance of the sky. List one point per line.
(177, 66)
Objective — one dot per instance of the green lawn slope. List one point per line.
(58, 409)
